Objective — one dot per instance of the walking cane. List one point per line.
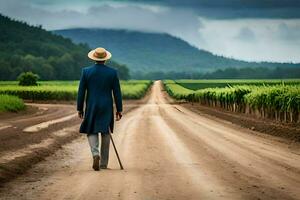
(121, 166)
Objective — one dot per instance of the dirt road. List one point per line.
(168, 152)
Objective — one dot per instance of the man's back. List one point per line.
(98, 81)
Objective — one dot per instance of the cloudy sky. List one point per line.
(253, 30)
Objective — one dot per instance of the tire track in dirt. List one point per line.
(241, 170)
(261, 148)
(13, 137)
(43, 111)
(45, 143)
(4, 126)
(21, 149)
(43, 125)
(281, 179)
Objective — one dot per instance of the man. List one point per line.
(97, 83)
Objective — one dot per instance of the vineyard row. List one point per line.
(278, 102)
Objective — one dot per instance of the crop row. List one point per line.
(68, 90)
(177, 91)
(279, 102)
(202, 84)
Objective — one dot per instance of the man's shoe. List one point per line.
(103, 166)
(96, 163)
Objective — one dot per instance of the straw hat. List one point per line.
(99, 54)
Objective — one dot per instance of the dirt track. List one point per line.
(168, 152)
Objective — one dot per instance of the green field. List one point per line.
(67, 90)
(202, 84)
(11, 103)
(276, 100)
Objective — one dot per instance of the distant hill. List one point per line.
(30, 48)
(153, 52)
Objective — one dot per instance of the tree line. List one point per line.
(228, 73)
(25, 48)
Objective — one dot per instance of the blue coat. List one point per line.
(98, 82)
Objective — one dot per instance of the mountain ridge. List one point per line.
(148, 52)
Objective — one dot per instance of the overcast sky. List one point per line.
(253, 30)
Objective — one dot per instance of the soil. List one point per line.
(20, 150)
(290, 131)
(168, 152)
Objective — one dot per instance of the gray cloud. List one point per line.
(245, 34)
(236, 8)
(234, 38)
(291, 33)
(241, 37)
(179, 22)
(218, 9)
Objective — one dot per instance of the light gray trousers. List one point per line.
(94, 145)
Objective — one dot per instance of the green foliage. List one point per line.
(28, 79)
(274, 71)
(177, 91)
(268, 98)
(123, 71)
(67, 90)
(285, 72)
(281, 98)
(11, 103)
(226, 95)
(134, 89)
(202, 84)
(29, 48)
(43, 92)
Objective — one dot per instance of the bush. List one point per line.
(11, 103)
(28, 79)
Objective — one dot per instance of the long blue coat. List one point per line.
(98, 82)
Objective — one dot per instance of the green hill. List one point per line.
(31, 48)
(153, 52)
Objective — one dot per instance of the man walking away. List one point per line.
(97, 84)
